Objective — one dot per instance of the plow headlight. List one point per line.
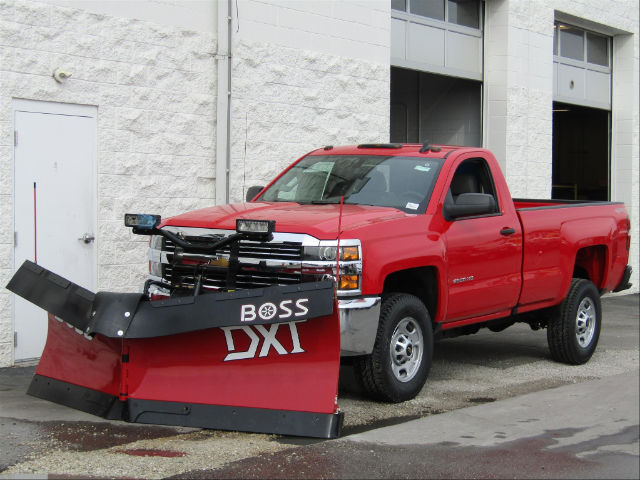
(259, 228)
(142, 221)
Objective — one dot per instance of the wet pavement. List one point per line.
(33, 434)
(473, 379)
(526, 458)
(587, 430)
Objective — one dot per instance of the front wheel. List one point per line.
(399, 364)
(573, 332)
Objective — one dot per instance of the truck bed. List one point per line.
(565, 237)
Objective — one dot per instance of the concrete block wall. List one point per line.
(154, 86)
(286, 102)
(304, 75)
(518, 93)
(349, 28)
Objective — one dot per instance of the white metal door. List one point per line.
(54, 191)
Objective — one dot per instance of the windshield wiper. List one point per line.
(325, 202)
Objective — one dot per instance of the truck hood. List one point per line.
(320, 221)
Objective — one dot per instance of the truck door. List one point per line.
(484, 251)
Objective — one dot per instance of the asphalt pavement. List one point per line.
(495, 406)
(586, 430)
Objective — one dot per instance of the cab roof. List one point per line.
(405, 149)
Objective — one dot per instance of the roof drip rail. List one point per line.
(426, 146)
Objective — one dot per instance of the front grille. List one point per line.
(277, 251)
(261, 264)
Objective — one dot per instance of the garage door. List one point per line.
(439, 36)
(436, 60)
(581, 114)
(581, 67)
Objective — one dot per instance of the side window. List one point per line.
(472, 176)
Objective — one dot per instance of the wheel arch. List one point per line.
(590, 264)
(421, 282)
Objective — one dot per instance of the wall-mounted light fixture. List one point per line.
(60, 75)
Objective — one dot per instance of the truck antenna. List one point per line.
(338, 245)
(35, 223)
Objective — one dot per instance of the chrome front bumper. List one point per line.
(358, 325)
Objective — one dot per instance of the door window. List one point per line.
(472, 176)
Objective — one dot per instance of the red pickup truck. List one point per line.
(427, 241)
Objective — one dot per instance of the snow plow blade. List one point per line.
(262, 360)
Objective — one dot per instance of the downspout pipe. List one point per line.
(223, 105)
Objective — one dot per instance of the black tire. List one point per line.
(574, 329)
(405, 321)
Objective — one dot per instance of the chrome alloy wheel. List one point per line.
(406, 349)
(585, 322)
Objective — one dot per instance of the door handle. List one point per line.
(507, 231)
(87, 238)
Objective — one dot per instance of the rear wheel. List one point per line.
(573, 332)
(399, 364)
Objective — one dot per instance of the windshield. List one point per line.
(387, 181)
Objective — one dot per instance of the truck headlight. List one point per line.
(323, 257)
(155, 255)
(328, 253)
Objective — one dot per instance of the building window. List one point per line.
(597, 49)
(571, 43)
(399, 5)
(428, 8)
(464, 12)
(574, 43)
(459, 12)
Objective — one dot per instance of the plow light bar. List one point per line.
(142, 221)
(259, 228)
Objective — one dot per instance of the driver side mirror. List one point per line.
(253, 191)
(468, 205)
